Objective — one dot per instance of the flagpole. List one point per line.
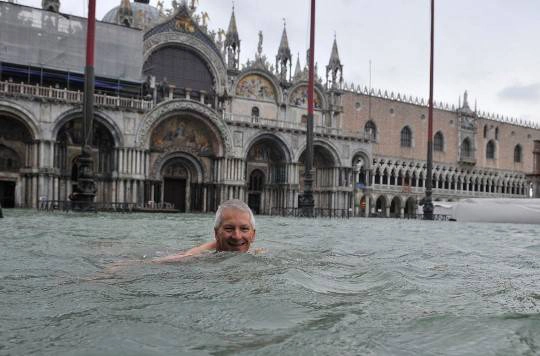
(428, 203)
(306, 201)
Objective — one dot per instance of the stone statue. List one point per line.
(260, 45)
(205, 19)
(160, 7)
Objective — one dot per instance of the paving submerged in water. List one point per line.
(358, 286)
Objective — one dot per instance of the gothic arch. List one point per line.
(168, 109)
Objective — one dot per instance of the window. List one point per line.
(490, 150)
(371, 130)
(485, 131)
(517, 154)
(438, 142)
(466, 149)
(255, 114)
(496, 133)
(406, 137)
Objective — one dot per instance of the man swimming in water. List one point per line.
(234, 231)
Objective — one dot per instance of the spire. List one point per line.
(284, 56)
(232, 44)
(232, 38)
(125, 14)
(50, 5)
(465, 108)
(298, 69)
(334, 67)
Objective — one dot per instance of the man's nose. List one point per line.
(236, 233)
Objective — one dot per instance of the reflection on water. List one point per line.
(359, 286)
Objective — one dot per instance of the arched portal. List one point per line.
(395, 207)
(325, 176)
(410, 208)
(15, 148)
(255, 190)
(68, 148)
(380, 207)
(184, 151)
(266, 171)
(182, 183)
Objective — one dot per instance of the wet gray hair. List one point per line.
(233, 204)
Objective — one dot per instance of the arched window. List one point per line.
(466, 149)
(517, 154)
(255, 114)
(438, 142)
(485, 131)
(490, 150)
(371, 130)
(496, 133)
(406, 137)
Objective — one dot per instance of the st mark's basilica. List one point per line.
(180, 120)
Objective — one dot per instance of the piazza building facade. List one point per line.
(180, 121)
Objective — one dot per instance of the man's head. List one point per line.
(234, 228)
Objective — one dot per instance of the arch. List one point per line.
(258, 85)
(380, 205)
(170, 108)
(100, 117)
(270, 137)
(190, 42)
(490, 149)
(25, 117)
(327, 146)
(410, 207)
(406, 137)
(466, 148)
(299, 98)
(167, 158)
(370, 130)
(438, 142)
(518, 152)
(395, 207)
(361, 154)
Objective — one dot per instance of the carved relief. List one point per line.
(256, 87)
(299, 97)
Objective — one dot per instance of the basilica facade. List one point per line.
(180, 121)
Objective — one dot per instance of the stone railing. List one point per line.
(258, 121)
(70, 96)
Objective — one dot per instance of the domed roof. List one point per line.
(144, 15)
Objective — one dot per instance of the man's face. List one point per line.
(235, 232)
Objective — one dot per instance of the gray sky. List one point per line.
(488, 47)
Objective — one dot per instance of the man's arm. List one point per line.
(191, 252)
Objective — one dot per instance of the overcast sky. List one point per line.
(489, 47)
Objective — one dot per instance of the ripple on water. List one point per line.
(358, 286)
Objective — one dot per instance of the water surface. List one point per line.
(326, 287)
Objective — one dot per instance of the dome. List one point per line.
(144, 15)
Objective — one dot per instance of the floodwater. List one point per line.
(323, 287)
